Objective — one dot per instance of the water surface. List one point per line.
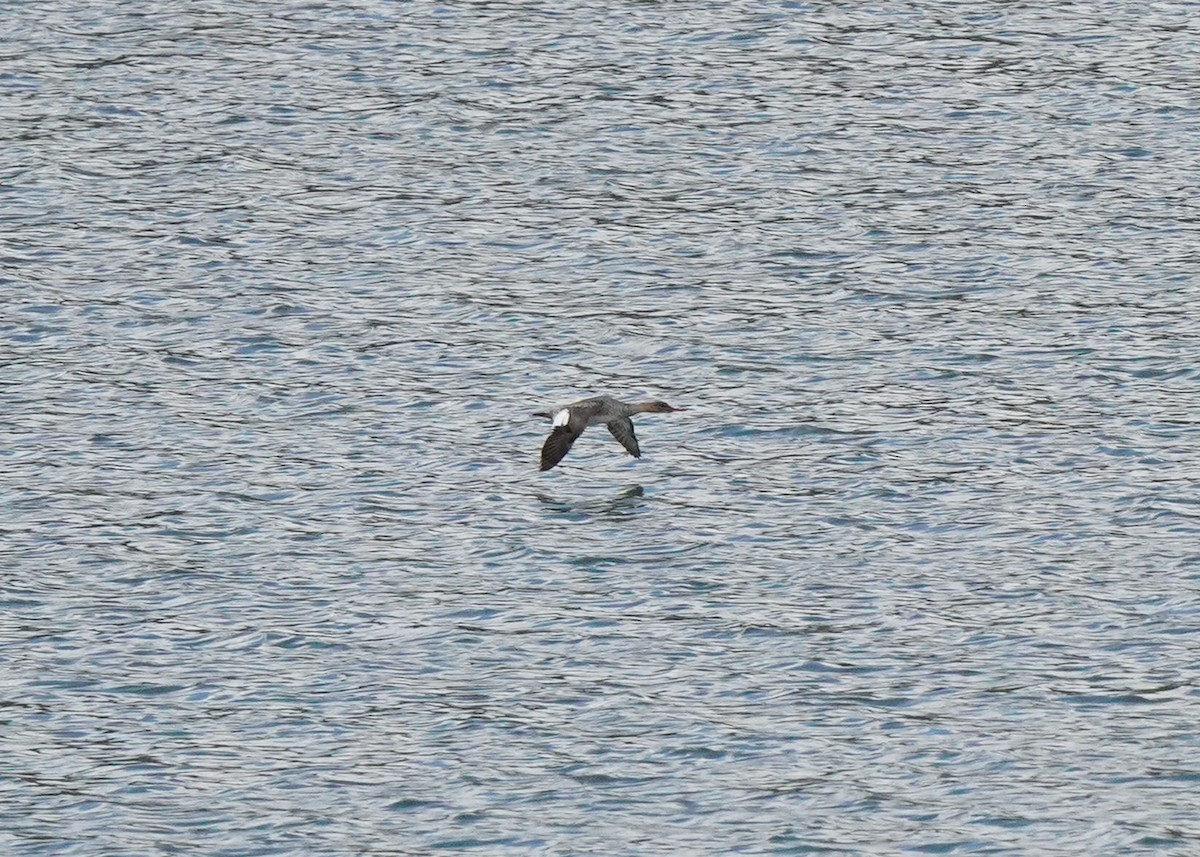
(916, 571)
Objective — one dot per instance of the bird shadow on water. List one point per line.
(628, 501)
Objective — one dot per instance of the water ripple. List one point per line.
(916, 571)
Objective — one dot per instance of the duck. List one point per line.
(569, 421)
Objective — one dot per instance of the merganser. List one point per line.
(570, 421)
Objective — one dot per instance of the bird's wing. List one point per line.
(559, 443)
(622, 430)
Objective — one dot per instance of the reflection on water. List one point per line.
(624, 502)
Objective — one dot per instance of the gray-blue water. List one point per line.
(918, 570)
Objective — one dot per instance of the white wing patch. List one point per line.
(562, 417)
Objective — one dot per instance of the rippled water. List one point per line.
(917, 570)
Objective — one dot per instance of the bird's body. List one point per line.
(570, 421)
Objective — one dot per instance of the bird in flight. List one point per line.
(570, 421)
